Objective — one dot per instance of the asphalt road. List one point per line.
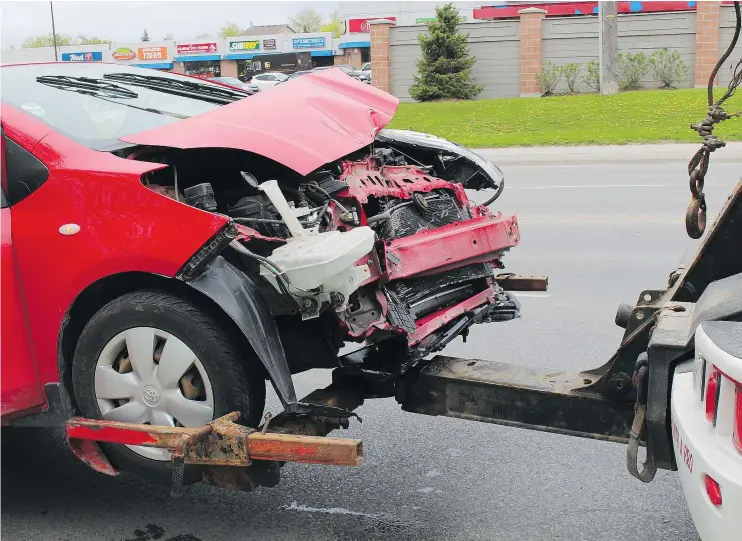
(602, 232)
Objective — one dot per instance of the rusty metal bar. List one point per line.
(517, 282)
(222, 443)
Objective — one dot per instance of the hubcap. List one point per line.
(146, 375)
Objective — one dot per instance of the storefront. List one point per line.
(201, 59)
(154, 57)
(318, 47)
(283, 62)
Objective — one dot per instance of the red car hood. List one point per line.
(303, 123)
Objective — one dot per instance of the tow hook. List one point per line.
(641, 383)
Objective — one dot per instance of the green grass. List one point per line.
(646, 116)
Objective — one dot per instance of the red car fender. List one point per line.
(123, 227)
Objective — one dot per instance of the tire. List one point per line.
(233, 379)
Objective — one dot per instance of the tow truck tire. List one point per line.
(234, 377)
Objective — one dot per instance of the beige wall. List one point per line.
(350, 56)
(229, 68)
(178, 67)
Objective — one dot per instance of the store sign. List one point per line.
(123, 53)
(196, 47)
(308, 43)
(361, 25)
(92, 56)
(244, 45)
(152, 53)
(269, 44)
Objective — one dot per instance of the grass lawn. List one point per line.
(645, 116)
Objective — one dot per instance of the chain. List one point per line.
(695, 216)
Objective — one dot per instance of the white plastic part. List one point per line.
(274, 193)
(324, 262)
(325, 259)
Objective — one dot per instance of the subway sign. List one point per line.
(308, 43)
(253, 45)
(91, 56)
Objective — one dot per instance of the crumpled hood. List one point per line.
(303, 123)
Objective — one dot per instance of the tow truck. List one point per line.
(625, 400)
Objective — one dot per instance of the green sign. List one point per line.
(253, 45)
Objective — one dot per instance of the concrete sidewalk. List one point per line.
(552, 155)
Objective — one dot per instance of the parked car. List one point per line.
(706, 419)
(203, 240)
(266, 80)
(236, 83)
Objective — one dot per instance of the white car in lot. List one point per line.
(706, 424)
(266, 80)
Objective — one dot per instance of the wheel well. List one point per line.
(100, 293)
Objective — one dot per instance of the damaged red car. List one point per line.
(168, 244)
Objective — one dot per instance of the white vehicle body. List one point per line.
(706, 424)
(266, 80)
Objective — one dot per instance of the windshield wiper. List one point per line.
(191, 89)
(103, 90)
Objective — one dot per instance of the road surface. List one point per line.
(602, 232)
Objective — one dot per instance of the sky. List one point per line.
(125, 21)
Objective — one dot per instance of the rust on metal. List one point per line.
(517, 282)
(306, 449)
(221, 442)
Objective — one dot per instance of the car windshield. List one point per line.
(281, 76)
(97, 104)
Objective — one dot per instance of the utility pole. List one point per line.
(608, 44)
(54, 32)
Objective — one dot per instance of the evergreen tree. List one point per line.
(444, 71)
(145, 36)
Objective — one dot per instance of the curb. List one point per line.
(732, 153)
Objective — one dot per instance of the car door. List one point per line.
(20, 387)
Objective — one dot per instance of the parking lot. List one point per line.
(602, 232)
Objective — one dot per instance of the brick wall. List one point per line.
(530, 50)
(381, 67)
(707, 41)
(531, 40)
(350, 56)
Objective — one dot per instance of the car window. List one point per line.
(271, 78)
(24, 172)
(96, 121)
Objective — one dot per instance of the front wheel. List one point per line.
(152, 358)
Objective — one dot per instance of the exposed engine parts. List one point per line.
(387, 245)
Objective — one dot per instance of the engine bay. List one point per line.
(381, 247)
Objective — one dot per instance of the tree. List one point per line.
(230, 30)
(95, 40)
(47, 40)
(444, 70)
(167, 37)
(332, 25)
(145, 36)
(307, 20)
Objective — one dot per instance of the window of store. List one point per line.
(365, 54)
(208, 68)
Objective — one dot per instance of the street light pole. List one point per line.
(54, 32)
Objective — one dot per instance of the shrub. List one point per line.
(631, 68)
(549, 78)
(592, 75)
(668, 67)
(445, 67)
(570, 73)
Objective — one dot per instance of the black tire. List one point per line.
(236, 377)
